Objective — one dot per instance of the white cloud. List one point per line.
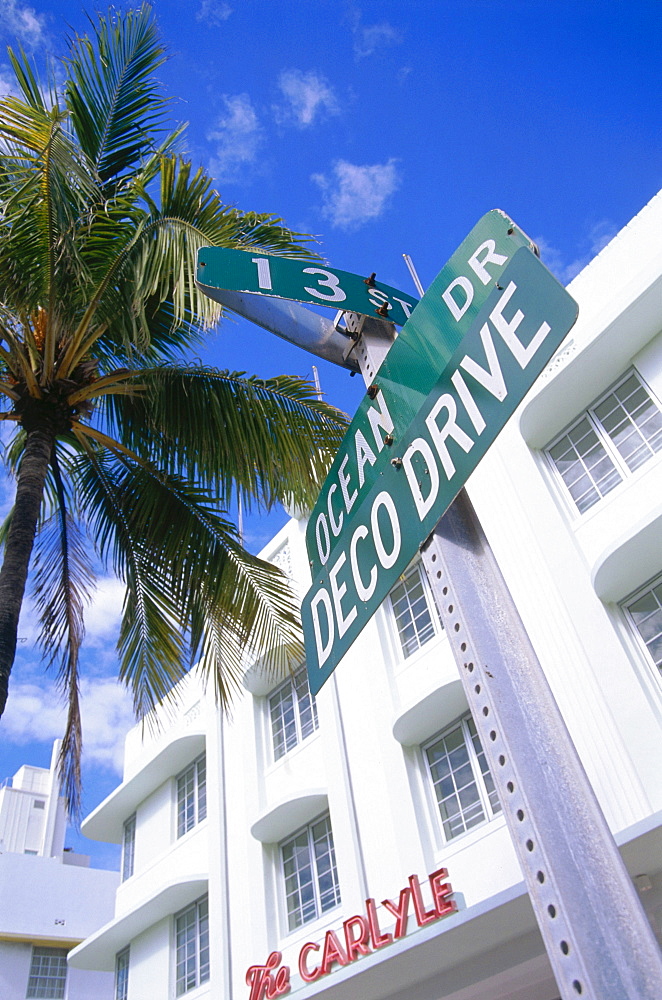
(357, 194)
(599, 235)
(23, 22)
(102, 617)
(238, 136)
(34, 712)
(368, 38)
(213, 12)
(308, 96)
(102, 620)
(7, 82)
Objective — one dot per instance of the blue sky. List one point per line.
(384, 128)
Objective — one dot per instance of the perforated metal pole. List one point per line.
(596, 933)
(598, 938)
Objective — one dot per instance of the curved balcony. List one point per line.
(288, 815)
(636, 556)
(429, 714)
(99, 950)
(106, 822)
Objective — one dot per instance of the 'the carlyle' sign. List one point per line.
(360, 935)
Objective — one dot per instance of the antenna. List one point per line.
(412, 270)
(316, 380)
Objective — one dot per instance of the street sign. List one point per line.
(301, 280)
(399, 470)
(411, 368)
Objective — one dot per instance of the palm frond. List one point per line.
(62, 583)
(265, 439)
(186, 572)
(115, 102)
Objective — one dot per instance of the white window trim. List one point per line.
(200, 985)
(477, 830)
(197, 820)
(129, 823)
(61, 953)
(399, 658)
(125, 952)
(627, 476)
(323, 916)
(634, 632)
(274, 761)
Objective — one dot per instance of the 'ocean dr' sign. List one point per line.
(478, 339)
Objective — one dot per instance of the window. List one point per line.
(293, 713)
(122, 975)
(48, 973)
(191, 796)
(192, 947)
(461, 779)
(645, 613)
(309, 873)
(609, 442)
(128, 847)
(414, 619)
(38, 804)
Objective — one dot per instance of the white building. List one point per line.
(310, 838)
(51, 899)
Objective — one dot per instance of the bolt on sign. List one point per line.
(480, 336)
(301, 280)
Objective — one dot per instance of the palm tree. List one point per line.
(117, 438)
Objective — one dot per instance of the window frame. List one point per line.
(434, 618)
(608, 444)
(187, 819)
(128, 847)
(633, 629)
(122, 960)
(201, 970)
(289, 686)
(489, 812)
(35, 990)
(320, 911)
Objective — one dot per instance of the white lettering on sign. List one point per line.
(376, 539)
(330, 281)
(263, 272)
(460, 293)
(351, 476)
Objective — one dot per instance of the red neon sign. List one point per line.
(361, 935)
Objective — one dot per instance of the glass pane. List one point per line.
(293, 714)
(202, 788)
(325, 862)
(122, 975)
(411, 611)
(584, 464)
(48, 973)
(646, 613)
(185, 801)
(128, 847)
(632, 421)
(461, 779)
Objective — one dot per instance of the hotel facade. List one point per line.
(352, 844)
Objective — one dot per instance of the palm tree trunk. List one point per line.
(18, 548)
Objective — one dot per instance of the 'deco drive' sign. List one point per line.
(478, 339)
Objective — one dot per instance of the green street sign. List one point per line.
(409, 372)
(302, 280)
(398, 469)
